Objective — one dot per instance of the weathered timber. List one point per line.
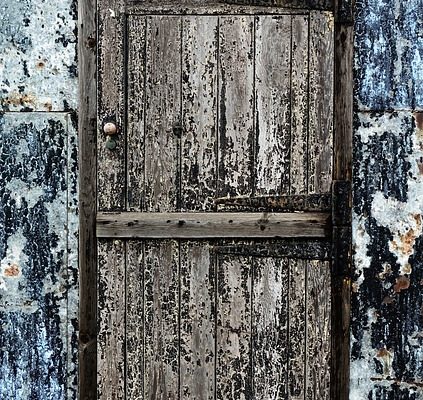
(199, 112)
(161, 320)
(299, 104)
(233, 341)
(162, 113)
(111, 320)
(320, 102)
(111, 104)
(270, 290)
(190, 7)
(313, 202)
(297, 328)
(87, 126)
(134, 320)
(136, 92)
(305, 249)
(318, 330)
(236, 99)
(197, 321)
(272, 104)
(209, 225)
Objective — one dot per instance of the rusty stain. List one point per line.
(48, 106)
(17, 99)
(406, 242)
(402, 283)
(388, 300)
(11, 271)
(40, 64)
(407, 269)
(418, 116)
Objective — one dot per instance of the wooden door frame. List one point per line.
(342, 171)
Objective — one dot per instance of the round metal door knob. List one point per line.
(110, 129)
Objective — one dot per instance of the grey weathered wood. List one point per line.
(233, 341)
(134, 327)
(111, 320)
(111, 104)
(318, 314)
(299, 105)
(137, 27)
(297, 329)
(236, 98)
(273, 103)
(270, 328)
(209, 225)
(197, 321)
(87, 126)
(321, 67)
(199, 110)
(163, 109)
(222, 8)
(161, 311)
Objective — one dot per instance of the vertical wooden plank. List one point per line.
(111, 319)
(111, 104)
(136, 111)
(197, 343)
(162, 112)
(161, 320)
(199, 109)
(299, 105)
(297, 328)
(318, 308)
(236, 105)
(233, 369)
(273, 103)
(321, 102)
(87, 131)
(270, 323)
(134, 283)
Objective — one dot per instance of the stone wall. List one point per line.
(387, 313)
(38, 200)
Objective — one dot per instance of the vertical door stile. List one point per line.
(199, 113)
(136, 82)
(111, 174)
(321, 102)
(272, 104)
(163, 97)
(297, 329)
(269, 325)
(111, 335)
(233, 368)
(236, 105)
(299, 104)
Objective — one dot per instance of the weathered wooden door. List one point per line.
(214, 200)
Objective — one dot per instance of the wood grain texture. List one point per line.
(297, 329)
(197, 322)
(136, 82)
(111, 320)
(321, 67)
(233, 341)
(134, 327)
(236, 99)
(270, 328)
(199, 110)
(161, 313)
(209, 225)
(111, 104)
(87, 128)
(273, 104)
(163, 108)
(318, 314)
(299, 105)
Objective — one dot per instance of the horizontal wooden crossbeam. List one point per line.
(212, 225)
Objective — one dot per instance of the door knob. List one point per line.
(110, 130)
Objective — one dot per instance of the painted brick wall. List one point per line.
(38, 200)
(387, 313)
